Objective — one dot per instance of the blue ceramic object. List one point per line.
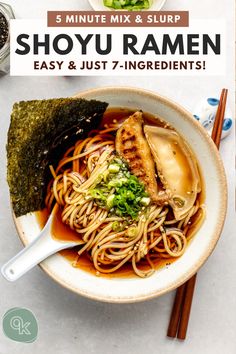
(205, 112)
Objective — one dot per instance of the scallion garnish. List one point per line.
(120, 192)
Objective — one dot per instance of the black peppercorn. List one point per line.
(3, 30)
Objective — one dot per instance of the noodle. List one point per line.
(157, 234)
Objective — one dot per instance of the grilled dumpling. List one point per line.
(132, 145)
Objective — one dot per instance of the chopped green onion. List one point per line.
(179, 202)
(128, 4)
(145, 201)
(132, 231)
(113, 168)
(110, 201)
(120, 192)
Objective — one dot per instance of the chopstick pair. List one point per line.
(181, 309)
(180, 314)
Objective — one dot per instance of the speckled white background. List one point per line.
(71, 324)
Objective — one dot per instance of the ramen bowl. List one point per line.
(132, 289)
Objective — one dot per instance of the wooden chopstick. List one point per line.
(176, 311)
(186, 307)
(179, 319)
(218, 113)
(220, 119)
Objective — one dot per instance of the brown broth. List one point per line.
(126, 271)
(120, 114)
(63, 232)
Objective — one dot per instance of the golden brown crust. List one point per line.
(131, 144)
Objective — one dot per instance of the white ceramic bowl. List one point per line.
(133, 289)
(97, 5)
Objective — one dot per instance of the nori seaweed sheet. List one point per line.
(39, 134)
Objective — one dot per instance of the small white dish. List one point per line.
(97, 5)
(132, 289)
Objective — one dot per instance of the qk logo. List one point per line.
(20, 325)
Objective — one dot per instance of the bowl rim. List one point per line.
(218, 226)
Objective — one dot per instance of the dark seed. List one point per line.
(3, 30)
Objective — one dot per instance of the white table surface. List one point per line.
(72, 324)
